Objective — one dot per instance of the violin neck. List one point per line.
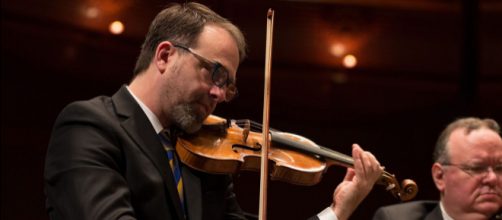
(308, 146)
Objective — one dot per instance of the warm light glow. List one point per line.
(349, 61)
(116, 27)
(337, 49)
(92, 12)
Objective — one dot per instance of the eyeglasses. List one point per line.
(478, 171)
(219, 75)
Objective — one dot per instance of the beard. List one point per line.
(187, 118)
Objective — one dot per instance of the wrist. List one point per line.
(340, 212)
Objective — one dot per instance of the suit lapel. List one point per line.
(139, 128)
(435, 214)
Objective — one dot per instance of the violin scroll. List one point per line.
(405, 191)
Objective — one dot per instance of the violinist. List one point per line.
(113, 157)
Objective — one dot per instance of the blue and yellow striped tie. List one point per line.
(175, 166)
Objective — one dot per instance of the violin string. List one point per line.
(243, 122)
(254, 125)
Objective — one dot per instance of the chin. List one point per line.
(489, 208)
(192, 128)
(189, 125)
(187, 119)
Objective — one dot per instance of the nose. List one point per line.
(491, 175)
(217, 93)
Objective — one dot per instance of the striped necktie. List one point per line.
(174, 164)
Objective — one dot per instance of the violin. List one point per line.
(227, 146)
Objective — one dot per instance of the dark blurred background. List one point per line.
(420, 65)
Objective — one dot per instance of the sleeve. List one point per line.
(327, 214)
(82, 170)
(380, 214)
(233, 210)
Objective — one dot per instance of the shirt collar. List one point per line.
(149, 114)
(443, 212)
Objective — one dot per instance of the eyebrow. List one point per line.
(231, 79)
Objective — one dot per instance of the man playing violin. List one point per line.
(106, 159)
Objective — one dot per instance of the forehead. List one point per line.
(481, 143)
(217, 44)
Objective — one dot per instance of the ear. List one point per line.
(163, 55)
(438, 176)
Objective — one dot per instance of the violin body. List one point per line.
(221, 149)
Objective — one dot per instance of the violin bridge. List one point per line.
(245, 131)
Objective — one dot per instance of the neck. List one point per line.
(146, 87)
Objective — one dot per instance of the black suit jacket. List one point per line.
(105, 161)
(417, 210)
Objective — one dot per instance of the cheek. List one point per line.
(194, 92)
(195, 81)
(188, 83)
(460, 187)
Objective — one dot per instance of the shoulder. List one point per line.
(85, 129)
(420, 205)
(97, 109)
(91, 111)
(81, 122)
(409, 210)
(90, 105)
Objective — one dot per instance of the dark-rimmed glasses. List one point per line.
(477, 171)
(219, 75)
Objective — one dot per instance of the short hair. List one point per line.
(183, 23)
(470, 124)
